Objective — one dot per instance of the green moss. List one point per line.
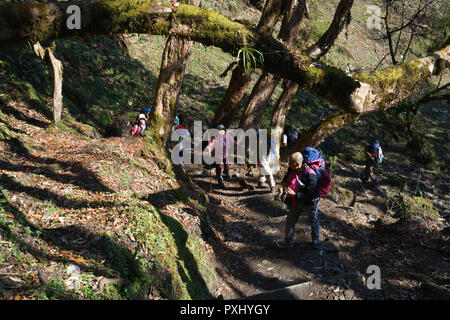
(173, 249)
(215, 28)
(396, 82)
(344, 196)
(317, 80)
(405, 207)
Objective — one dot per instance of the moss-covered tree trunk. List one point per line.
(267, 83)
(173, 65)
(239, 79)
(316, 134)
(170, 78)
(360, 93)
(57, 68)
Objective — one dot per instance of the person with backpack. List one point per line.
(176, 122)
(146, 111)
(180, 131)
(223, 166)
(304, 184)
(374, 156)
(139, 126)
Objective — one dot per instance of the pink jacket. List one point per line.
(293, 182)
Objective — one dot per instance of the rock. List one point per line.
(73, 282)
(42, 277)
(331, 246)
(345, 196)
(73, 269)
(103, 281)
(237, 236)
(349, 293)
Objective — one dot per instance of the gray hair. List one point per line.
(296, 157)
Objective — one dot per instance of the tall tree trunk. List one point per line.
(57, 67)
(239, 79)
(283, 104)
(260, 96)
(341, 18)
(230, 103)
(173, 65)
(267, 83)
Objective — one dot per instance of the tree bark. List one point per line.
(260, 96)
(57, 67)
(317, 133)
(239, 79)
(283, 104)
(173, 65)
(267, 83)
(359, 93)
(230, 103)
(341, 18)
(321, 48)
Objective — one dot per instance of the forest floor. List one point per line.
(354, 236)
(71, 184)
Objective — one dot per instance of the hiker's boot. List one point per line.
(227, 173)
(221, 184)
(284, 244)
(249, 172)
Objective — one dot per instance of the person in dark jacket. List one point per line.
(289, 136)
(374, 156)
(307, 200)
(223, 166)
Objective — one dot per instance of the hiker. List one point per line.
(223, 165)
(305, 182)
(374, 156)
(140, 125)
(146, 111)
(176, 122)
(267, 163)
(181, 131)
(289, 135)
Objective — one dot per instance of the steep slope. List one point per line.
(76, 219)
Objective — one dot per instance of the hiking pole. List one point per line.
(210, 180)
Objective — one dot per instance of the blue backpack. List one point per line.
(375, 150)
(146, 111)
(315, 162)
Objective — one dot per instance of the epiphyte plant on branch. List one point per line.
(249, 58)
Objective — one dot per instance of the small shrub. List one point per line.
(406, 207)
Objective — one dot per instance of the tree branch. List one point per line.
(38, 22)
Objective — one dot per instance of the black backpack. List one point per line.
(291, 133)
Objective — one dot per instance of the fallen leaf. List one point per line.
(79, 260)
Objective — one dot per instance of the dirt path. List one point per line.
(83, 176)
(249, 223)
